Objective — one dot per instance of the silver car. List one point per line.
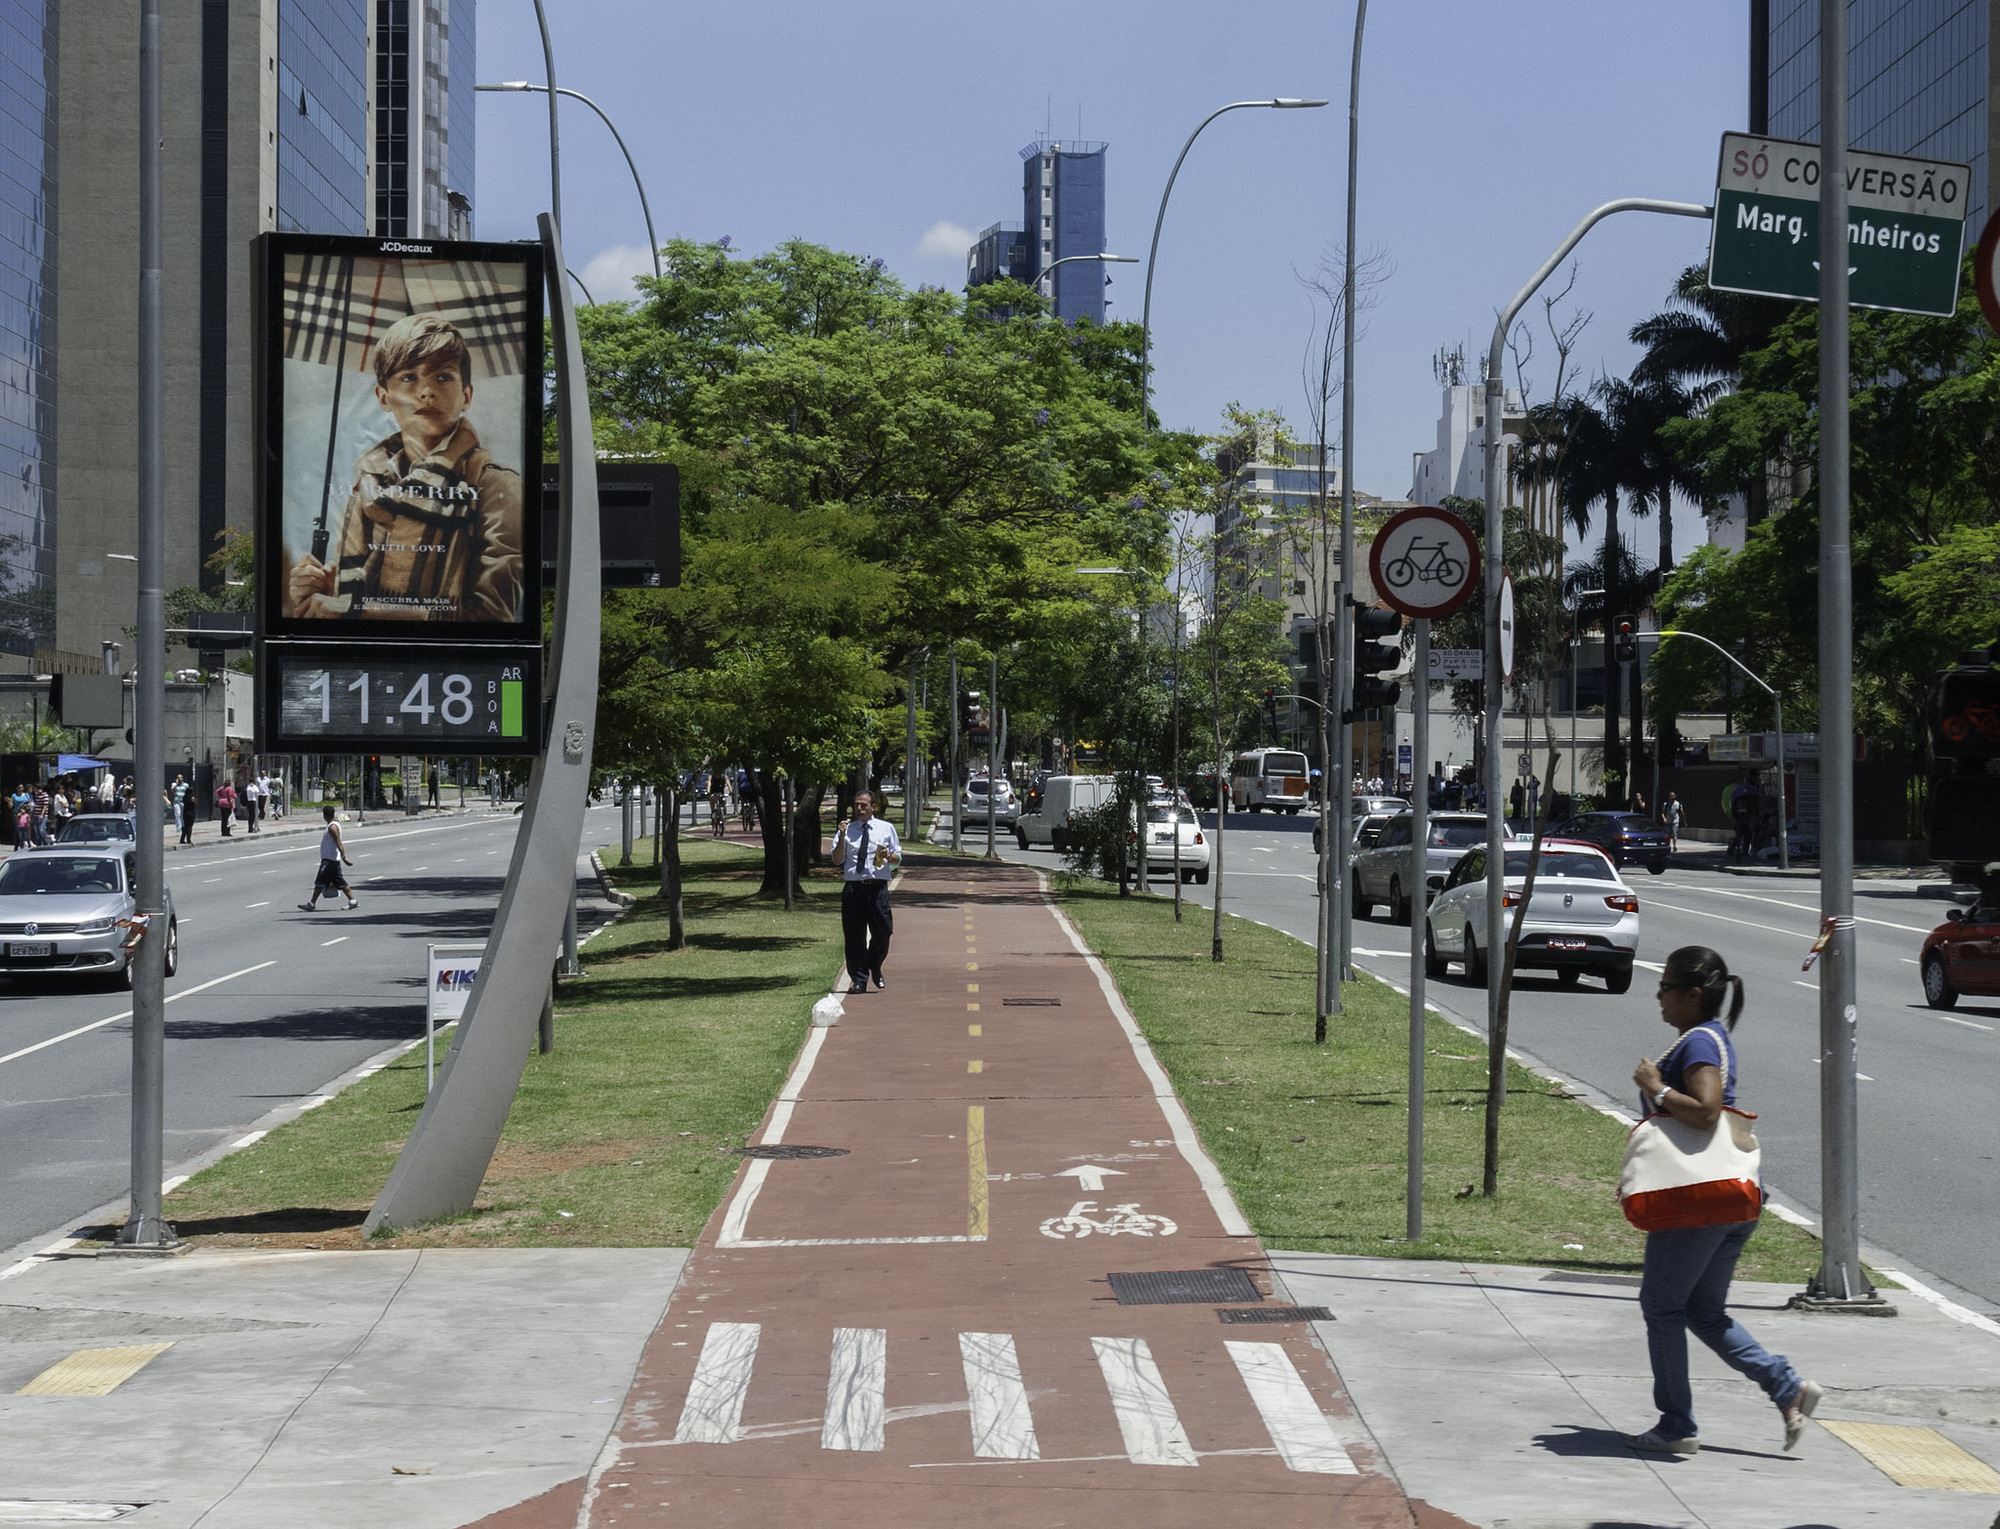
(67, 911)
(97, 828)
(1583, 918)
(1380, 873)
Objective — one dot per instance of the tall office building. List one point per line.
(423, 126)
(1062, 214)
(1921, 79)
(27, 327)
(270, 124)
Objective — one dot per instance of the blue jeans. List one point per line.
(1684, 1287)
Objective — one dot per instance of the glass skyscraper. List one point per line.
(424, 65)
(323, 116)
(1919, 78)
(1062, 211)
(27, 324)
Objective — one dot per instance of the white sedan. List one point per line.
(1163, 825)
(1583, 917)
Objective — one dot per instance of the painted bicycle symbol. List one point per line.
(1127, 1218)
(1436, 565)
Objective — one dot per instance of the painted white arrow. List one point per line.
(1090, 1176)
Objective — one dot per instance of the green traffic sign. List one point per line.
(1905, 225)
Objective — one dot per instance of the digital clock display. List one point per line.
(451, 699)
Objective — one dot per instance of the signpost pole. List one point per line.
(1840, 1282)
(951, 760)
(1420, 814)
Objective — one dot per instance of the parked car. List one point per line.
(1370, 813)
(97, 828)
(1626, 837)
(1062, 797)
(68, 911)
(1582, 918)
(1163, 825)
(972, 803)
(1380, 873)
(1961, 957)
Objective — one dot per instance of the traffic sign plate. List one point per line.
(1457, 663)
(1424, 562)
(1506, 629)
(1905, 225)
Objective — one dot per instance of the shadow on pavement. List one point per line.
(383, 1023)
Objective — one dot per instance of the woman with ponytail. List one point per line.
(1686, 1283)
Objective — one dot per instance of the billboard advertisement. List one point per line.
(401, 428)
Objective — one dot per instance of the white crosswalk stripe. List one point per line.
(1146, 1417)
(714, 1407)
(1002, 1426)
(1002, 1423)
(854, 1389)
(1304, 1437)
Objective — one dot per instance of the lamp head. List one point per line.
(1293, 103)
(508, 85)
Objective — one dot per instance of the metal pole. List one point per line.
(951, 764)
(1784, 832)
(785, 789)
(1496, 865)
(1341, 831)
(145, 1227)
(625, 823)
(1840, 1279)
(993, 752)
(912, 803)
(555, 153)
(1420, 812)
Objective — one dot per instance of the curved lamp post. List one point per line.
(1282, 103)
(1048, 269)
(652, 244)
(1777, 704)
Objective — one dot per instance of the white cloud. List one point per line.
(609, 274)
(945, 240)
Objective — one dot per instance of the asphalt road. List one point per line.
(270, 1004)
(1930, 1134)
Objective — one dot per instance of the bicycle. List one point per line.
(1439, 567)
(718, 821)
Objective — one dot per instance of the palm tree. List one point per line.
(1634, 412)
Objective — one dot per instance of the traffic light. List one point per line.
(1964, 710)
(1372, 657)
(968, 710)
(1625, 639)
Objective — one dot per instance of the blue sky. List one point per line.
(1488, 128)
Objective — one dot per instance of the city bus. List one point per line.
(1269, 780)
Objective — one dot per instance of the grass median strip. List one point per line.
(1311, 1138)
(664, 1061)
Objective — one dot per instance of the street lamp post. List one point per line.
(1282, 103)
(1104, 259)
(652, 243)
(1778, 706)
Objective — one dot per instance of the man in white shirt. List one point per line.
(868, 852)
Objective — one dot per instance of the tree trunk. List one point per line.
(670, 872)
(1666, 529)
(806, 831)
(771, 829)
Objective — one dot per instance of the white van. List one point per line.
(1059, 798)
(1269, 780)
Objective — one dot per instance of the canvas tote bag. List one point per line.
(1679, 1175)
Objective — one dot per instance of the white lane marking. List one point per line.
(358, 838)
(854, 1389)
(1651, 966)
(1704, 913)
(334, 941)
(1146, 1418)
(1969, 1024)
(1304, 1437)
(713, 1411)
(1907, 960)
(99, 1024)
(416, 868)
(1002, 1426)
(1811, 986)
(211, 879)
(1779, 902)
(264, 904)
(1951, 1309)
(459, 861)
(1185, 1140)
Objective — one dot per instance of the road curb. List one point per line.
(610, 893)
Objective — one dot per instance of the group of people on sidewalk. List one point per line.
(37, 813)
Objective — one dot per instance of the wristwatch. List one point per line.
(1660, 1099)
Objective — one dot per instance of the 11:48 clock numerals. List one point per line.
(454, 703)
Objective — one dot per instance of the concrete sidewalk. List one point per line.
(1499, 1394)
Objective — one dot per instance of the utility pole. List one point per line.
(912, 802)
(1840, 1283)
(993, 754)
(1336, 912)
(145, 1229)
(951, 763)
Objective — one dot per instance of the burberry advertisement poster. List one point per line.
(402, 431)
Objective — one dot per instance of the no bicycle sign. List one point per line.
(1424, 562)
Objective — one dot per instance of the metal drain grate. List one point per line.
(1631, 1281)
(1184, 1287)
(1274, 1314)
(1031, 1003)
(786, 1151)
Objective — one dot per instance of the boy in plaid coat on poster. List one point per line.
(432, 530)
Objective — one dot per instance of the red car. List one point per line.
(1962, 955)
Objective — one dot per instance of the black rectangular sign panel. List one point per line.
(384, 698)
(400, 425)
(638, 522)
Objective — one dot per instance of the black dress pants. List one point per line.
(866, 924)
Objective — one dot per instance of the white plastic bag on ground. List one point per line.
(828, 1010)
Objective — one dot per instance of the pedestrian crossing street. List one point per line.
(997, 1398)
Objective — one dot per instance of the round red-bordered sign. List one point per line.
(1424, 562)
(1983, 273)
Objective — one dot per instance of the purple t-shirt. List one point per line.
(1703, 1044)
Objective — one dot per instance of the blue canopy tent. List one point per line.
(67, 763)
